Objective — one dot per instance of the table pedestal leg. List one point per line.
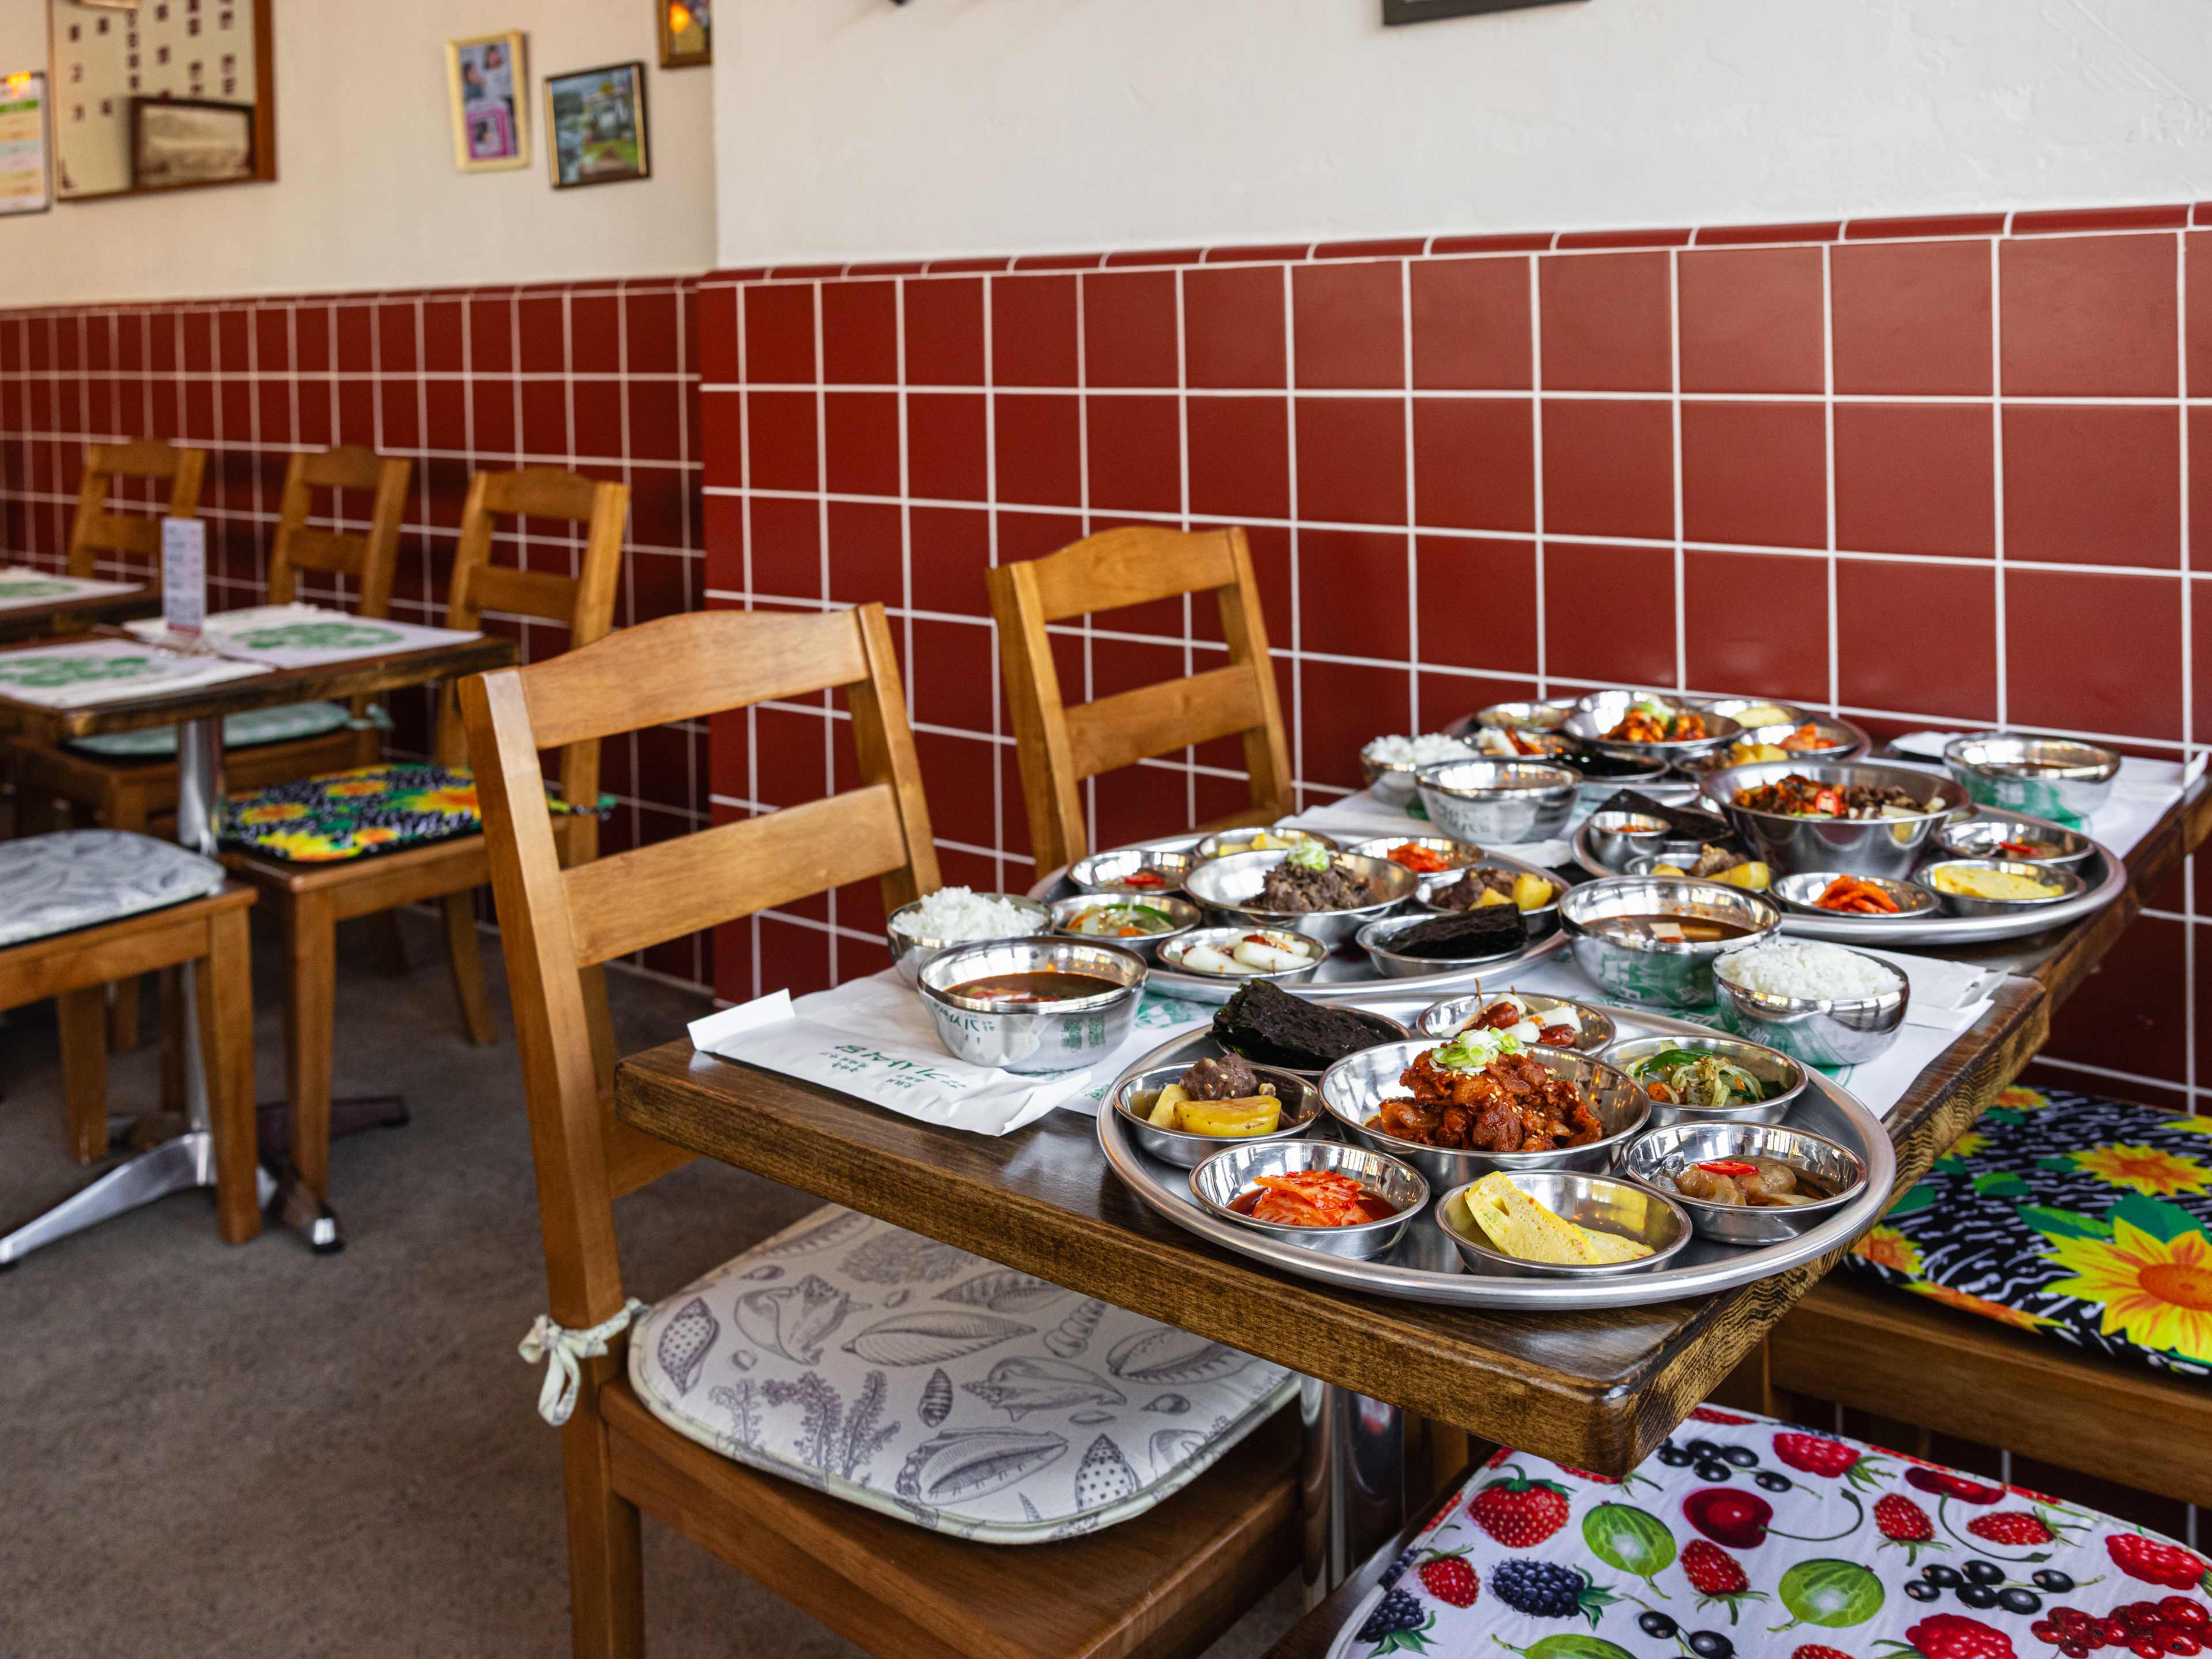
(1352, 1480)
(182, 1163)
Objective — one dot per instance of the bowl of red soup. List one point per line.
(1033, 1004)
(1314, 1195)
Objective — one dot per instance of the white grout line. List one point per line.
(1675, 401)
(1997, 471)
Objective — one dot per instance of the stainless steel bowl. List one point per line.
(1225, 1176)
(1862, 847)
(1107, 872)
(1221, 938)
(1393, 780)
(1461, 853)
(1182, 912)
(1046, 1036)
(1593, 1026)
(1375, 939)
(1799, 892)
(1749, 712)
(2068, 882)
(1616, 837)
(1769, 1066)
(1596, 715)
(1135, 1097)
(1602, 775)
(1819, 1030)
(1600, 1203)
(1543, 919)
(1651, 1159)
(1214, 845)
(1385, 1029)
(910, 950)
(2050, 777)
(1839, 742)
(1229, 887)
(1524, 716)
(1977, 838)
(1498, 802)
(1353, 1090)
(1663, 973)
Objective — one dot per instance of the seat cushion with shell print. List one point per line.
(894, 1371)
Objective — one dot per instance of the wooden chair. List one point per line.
(132, 791)
(1060, 746)
(311, 899)
(96, 531)
(1166, 1584)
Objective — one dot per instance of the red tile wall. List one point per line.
(1920, 471)
(603, 378)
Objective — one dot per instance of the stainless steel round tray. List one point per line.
(2103, 873)
(1424, 1266)
(1340, 971)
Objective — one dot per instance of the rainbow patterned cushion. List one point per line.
(2067, 1215)
(1746, 1538)
(370, 808)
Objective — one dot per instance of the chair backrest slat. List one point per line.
(370, 558)
(554, 923)
(1060, 746)
(95, 530)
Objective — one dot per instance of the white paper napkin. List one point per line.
(1948, 996)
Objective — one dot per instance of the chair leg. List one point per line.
(606, 1583)
(465, 954)
(600, 1020)
(311, 952)
(222, 981)
(124, 809)
(387, 947)
(84, 1070)
(171, 1015)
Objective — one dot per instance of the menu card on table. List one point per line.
(183, 574)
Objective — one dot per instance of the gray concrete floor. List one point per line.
(255, 1452)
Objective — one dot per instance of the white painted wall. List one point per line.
(855, 128)
(366, 194)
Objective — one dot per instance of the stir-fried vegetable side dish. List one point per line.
(1697, 1078)
(1800, 797)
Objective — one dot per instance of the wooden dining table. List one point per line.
(39, 617)
(1596, 1390)
(185, 1161)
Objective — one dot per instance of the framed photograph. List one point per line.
(1423, 11)
(485, 83)
(687, 33)
(178, 142)
(24, 179)
(595, 125)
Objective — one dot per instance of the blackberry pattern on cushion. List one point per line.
(370, 808)
(2069, 1215)
(1748, 1538)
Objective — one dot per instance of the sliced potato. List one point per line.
(1754, 876)
(1668, 870)
(1531, 892)
(1490, 895)
(1167, 1110)
(1256, 1115)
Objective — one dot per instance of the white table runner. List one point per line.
(86, 671)
(22, 587)
(306, 635)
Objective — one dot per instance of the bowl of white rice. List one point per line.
(1390, 762)
(959, 915)
(1825, 1005)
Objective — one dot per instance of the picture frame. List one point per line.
(1395, 12)
(595, 126)
(687, 33)
(486, 77)
(183, 143)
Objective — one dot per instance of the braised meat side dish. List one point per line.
(1299, 889)
(1514, 1105)
(1229, 1078)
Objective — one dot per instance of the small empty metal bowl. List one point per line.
(1224, 939)
(2050, 776)
(1603, 774)
(1228, 843)
(1375, 937)
(1597, 714)
(2067, 882)
(1461, 853)
(1109, 873)
(1769, 1066)
(1393, 780)
(1033, 1037)
(1353, 1090)
(1524, 716)
(1653, 1159)
(1230, 888)
(1219, 1181)
(1863, 847)
(1750, 712)
(1663, 973)
(1615, 837)
(910, 950)
(1594, 1027)
(1819, 1030)
(1135, 1097)
(1984, 837)
(1597, 1203)
(1180, 911)
(1498, 802)
(1799, 893)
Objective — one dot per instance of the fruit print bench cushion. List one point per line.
(893, 1371)
(1747, 1538)
(2069, 1215)
(370, 808)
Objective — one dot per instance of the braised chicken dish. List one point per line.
(1513, 1103)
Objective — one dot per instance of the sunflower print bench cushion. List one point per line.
(1746, 1538)
(370, 808)
(2069, 1215)
(898, 1373)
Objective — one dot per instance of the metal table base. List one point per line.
(1351, 1481)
